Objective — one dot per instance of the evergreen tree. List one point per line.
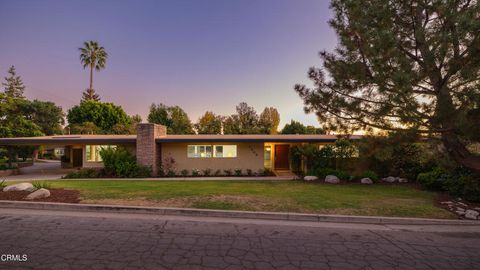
(14, 86)
(403, 66)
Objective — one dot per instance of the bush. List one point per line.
(238, 172)
(171, 173)
(249, 172)
(368, 174)
(228, 172)
(265, 172)
(184, 172)
(433, 180)
(464, 184)
(207, 172)
(218, 172)
(195, 172)
(42, 184)
(84, 173)
(121, 163)
(3, 184)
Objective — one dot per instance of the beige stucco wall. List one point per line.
(249, 156)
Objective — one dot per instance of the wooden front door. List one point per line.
(281, 157)
(77, 157)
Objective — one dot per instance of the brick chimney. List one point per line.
(148, 152)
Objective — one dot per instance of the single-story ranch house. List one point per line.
(152, 145)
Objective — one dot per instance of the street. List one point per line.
(88, 240)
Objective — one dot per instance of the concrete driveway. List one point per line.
(41, 170)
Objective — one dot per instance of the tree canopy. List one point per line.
(403, 66)
(269, 120)
(173, 117)
(93, 116)
(209, 123)
(295, 127)
(94, 57)
(13, 84)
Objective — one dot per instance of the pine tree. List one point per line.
(14, 86)
(90, 94)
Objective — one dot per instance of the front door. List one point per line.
(77, 157)
(281, 157)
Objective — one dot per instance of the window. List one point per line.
(92, 152)
(225, 151)
(267, 156)
(199, 151)
(205, 151)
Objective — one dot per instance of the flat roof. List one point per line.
(131, 139)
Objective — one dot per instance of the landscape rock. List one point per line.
(366, 181)
(402, 180)
(38, 194)
(471, 214)
(389, 179)
(310, 178)
(332, 179)
(20, 187)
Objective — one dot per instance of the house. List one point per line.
(152, 146)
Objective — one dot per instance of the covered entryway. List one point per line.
(77, 157)
(281, 161)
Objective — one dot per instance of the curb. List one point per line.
(231, 214)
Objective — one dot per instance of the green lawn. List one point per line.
(382, 200)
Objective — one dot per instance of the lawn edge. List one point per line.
(232, 214)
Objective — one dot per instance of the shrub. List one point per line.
(464, 184)
(195, 172)
(171, 173)
(368, 174)
(218, 172)
(41, 184)
(228, 172)
(121, 163)
(238, 172)
(84, 173)
(433, 180)
(249, 172)
(207, 172)
(184, 172)
(3, 184)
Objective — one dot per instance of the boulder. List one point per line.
(366, 181)
(402, 180)
(389, 179)
(38, 194)
(471, 214)
(310, 178)
(20, 187)
(332, 179)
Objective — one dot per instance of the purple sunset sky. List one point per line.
(198, 54)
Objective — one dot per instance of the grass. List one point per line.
(379, 200)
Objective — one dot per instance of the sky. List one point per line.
(198, 54)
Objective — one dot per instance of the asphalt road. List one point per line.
(86, 240)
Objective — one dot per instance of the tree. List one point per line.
(102, 115)
(209, 123)
(403, 66)
(46, 115)
(231, 125)
(93, 56)
(269, 120)
(295, 127)
(174, 118)
(14, 86)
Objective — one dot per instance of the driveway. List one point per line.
(89, 240)
(41, 170)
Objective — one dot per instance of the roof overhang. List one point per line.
(67, 140)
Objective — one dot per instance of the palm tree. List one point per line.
(95, 57)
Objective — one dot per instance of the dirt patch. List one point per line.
(56, 195)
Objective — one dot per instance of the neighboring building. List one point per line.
(152, 146)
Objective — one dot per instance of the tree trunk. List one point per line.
(457, 150)
(91, 81)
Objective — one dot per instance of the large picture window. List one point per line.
(199, 151)
(208, 151)
(92, 152)
(225, 151)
